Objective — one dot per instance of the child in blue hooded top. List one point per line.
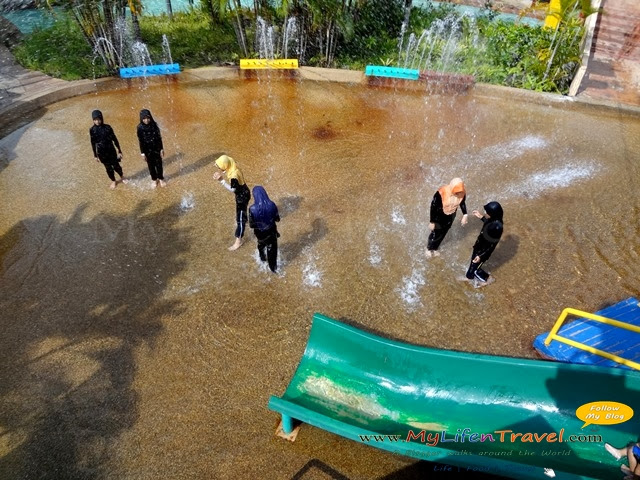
(263, 215)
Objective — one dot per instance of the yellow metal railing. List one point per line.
(553, 335)
(261, 63)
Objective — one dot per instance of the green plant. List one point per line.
(193, 39)
(60, 51)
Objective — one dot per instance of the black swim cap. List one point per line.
(494, 210)
(144, 113)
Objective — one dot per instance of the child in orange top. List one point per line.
(444, 206)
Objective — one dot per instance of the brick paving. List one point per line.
(613, 73)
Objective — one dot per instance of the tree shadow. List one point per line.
(182, 171)
(10, 137)
(199, 164)
(288, 205)
(17, 115)
(316, 464)
(292, 250)
(79, 299)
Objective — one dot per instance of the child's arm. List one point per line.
(160, 139)
(93, 144)
(436, 207)
(139, 132)
(232, 187)
(114, 139)
(463, 207)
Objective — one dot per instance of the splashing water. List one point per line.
(375, 254)
(140, 54)
(409, 289)
(560, 177)
(291, 36)
(508, 150)
(398, 217)
(105, 49)
(264, 39)
(436, 48)
(311, 276)
(188, 202)
(267, 41)
(166, 50)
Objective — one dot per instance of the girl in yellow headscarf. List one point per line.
(444, 206)
(237, 186)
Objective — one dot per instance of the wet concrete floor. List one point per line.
(135, 345)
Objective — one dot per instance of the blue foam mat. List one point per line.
(618, 341)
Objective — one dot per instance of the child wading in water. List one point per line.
(444, 206)
(263, 216)
(104, 144)
(237, 186)
(486, 241)
(151, 148)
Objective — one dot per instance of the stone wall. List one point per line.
(7, 5)
(9, 33)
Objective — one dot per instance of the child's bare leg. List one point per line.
(618, 453)
(238, 243)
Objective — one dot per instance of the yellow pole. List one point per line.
(595, 351)
(553, 14)
(556, 327)
(608, 321)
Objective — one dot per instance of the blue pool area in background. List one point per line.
(476, 12)
(30, 19)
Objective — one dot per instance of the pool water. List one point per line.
(135, 345)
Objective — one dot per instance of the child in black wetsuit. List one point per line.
(104, 144)
(263, 216)
(486, 241)
(151, 147)
(239, 188)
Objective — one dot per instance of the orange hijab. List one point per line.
(452, 196)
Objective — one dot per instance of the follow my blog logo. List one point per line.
(604, 413)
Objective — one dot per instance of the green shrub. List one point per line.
(521, 54)
(193, 40)
(376, 28)
(498, 52)
(60, 51)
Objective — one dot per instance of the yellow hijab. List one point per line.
(229, 167)
(452, 195)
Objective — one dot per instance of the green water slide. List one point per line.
(356, 384)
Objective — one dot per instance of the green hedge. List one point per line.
(193, 40)
(60, 51)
